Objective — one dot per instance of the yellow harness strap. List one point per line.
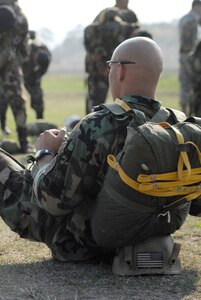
(167, 184)
(123, 104)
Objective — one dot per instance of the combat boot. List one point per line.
(156, 255)
(22, 136)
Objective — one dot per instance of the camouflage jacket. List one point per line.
(7, 50)
(15, 41)
(188, 30)
(76, 174)
(195, 67)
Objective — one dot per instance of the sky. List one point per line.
(61, 16)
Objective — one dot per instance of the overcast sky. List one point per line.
(60, 16)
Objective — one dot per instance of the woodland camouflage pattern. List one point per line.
(55, 207)
(188, 31)
(33, 70)
(13, 49)
(109, 29)
(195, 76)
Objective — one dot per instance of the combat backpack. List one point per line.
(149, 185)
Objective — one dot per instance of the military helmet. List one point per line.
(32, 34)
(43, 58)
(7, 18)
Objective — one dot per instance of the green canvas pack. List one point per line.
(128, 211)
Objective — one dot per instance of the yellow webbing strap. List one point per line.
(167, 184)
(123, 104)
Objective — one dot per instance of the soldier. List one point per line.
(33, 70)
(53, 203)
(195, 77)
(12, 49)
(188, 31)
(109, 28)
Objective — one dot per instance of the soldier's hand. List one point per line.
(51, 139)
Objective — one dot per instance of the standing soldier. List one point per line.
(111, 27)
(33, 70)
(195, 76)
(188, 30)
(13, 32)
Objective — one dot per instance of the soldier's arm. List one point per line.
(71, 176)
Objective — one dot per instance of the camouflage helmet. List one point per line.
(7, 18)
(10, 146)
(110, 14)
(34, 129)
(43, 58)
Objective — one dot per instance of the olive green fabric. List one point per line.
(123, 216)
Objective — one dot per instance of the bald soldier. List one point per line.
(54, 202)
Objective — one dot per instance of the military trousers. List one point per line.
(22, 214)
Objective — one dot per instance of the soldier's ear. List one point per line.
(120, 71)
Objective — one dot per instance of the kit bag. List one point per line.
(151, 185)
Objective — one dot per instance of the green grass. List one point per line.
(65, 95)
(27, 269)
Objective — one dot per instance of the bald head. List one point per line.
(142, 77)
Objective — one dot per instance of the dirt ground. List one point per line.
(27, 271)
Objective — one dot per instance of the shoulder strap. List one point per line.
(195, 120)
(120, 108)
(178, 115)
(161, 114)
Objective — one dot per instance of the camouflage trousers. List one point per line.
(22, 214)
(196, 101)
(97, 85)
(33, 86)
(185, 83)
(11, 95)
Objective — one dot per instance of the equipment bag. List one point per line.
(150, 184)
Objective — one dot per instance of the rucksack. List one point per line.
(149, 185)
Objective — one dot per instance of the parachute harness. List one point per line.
(182, 182)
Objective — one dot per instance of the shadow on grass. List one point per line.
(50, 279)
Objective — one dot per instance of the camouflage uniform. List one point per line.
(13, 47)
(55, 206)
(195, 76)
(109, 28)
(188, 30)
(33, 70)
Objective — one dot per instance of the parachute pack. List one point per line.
(151, 185)
(108, 30)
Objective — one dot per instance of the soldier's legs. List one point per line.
(185, 84)
(97, 85)
(13, 93)
(3, 109)
(19, 111)
(37, 102)
(36, 94)
(20, 212)
(197, 102)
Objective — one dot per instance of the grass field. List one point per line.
(27, 270)
(65, 95)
